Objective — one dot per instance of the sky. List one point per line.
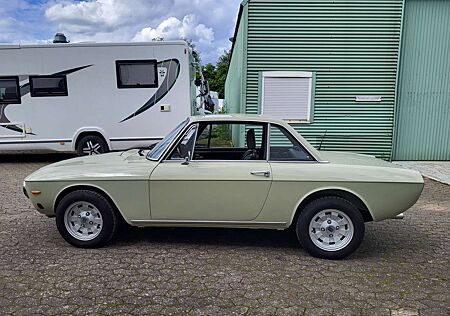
(208, 23)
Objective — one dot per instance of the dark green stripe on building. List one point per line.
(352, 48)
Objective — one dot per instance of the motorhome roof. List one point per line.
(92, 44)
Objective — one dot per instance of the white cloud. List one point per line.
(172, 29)
(209, 23)
(99, 16)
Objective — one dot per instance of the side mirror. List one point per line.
(187, 159)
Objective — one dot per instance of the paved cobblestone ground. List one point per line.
(402, 267)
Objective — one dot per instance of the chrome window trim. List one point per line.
(250, 161)
(297, 161)
(221, 160)
(269, 125)
(162, 157)
(263, 124)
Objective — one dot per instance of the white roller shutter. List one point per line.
(287, 95)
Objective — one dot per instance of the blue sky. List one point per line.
(209, 23)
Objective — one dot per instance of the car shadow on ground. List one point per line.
(207, 236)
(379, 241)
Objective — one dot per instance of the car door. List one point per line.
(294, 172)
(213, 185)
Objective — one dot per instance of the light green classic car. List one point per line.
(235, 171)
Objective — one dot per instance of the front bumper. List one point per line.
(25, 192)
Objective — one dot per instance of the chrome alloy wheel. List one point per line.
(83, 221)
(331, 230)
(92, 148)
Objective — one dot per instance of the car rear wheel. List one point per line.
(330, 228)
(92, 145)
(86, 219)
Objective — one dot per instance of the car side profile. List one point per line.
(234, 171)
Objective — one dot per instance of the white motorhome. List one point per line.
(91, 97)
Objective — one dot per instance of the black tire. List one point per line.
(106, 209)
(311, 211)
(92, 145)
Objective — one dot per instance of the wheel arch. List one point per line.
(346, 194)
(89, 131)
(90, 187)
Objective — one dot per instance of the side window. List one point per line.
(284, 147)
(136, 74)
(48, 86)
(230, 141)
(203, 139)
(9, 90)
(221, 136)
(185, 146)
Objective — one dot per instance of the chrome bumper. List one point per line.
(25, 192)
(399, 216)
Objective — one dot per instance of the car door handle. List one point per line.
(261, 173)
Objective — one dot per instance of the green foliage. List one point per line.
(216, 75)
(221, 136)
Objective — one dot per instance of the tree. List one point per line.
(216, 75)
(195, 52)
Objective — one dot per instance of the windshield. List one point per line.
(157, 151)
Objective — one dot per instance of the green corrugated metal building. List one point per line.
(369, 76)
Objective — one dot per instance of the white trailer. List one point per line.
(91, 98)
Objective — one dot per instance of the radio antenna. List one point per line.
(323, 137)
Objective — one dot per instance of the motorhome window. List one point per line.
(136, 74)
(48, 86)
(9, 90)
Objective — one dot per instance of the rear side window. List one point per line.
(284, 147)
(9, 90)
(136, 74)
(48, 86)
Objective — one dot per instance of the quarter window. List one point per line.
(48, 86)
(284, 147)
(9, 90)
(184, 147)
(136, 74)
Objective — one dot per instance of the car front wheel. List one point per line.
(86, 219)
(330, 228)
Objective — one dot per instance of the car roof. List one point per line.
(256, 118)
(235, 117)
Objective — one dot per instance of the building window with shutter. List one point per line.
(287, 95)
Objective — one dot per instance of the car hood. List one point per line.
(128, 165)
